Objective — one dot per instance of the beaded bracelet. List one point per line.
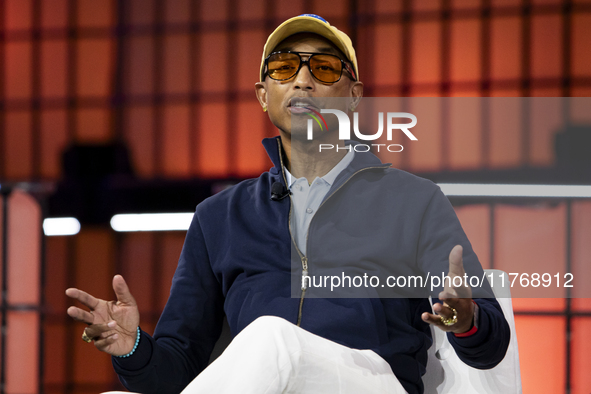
(137, 341)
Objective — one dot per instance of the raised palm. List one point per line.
(111, 324)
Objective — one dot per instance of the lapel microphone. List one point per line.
(278, 191)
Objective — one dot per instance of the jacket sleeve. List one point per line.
(440, 232)
(187, 330)
(488, 345)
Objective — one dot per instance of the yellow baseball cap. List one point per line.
(310, 23)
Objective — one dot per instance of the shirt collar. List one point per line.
(331, 175)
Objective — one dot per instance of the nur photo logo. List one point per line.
(391, 119)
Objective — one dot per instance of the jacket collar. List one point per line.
(273, 147)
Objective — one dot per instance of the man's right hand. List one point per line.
(111, 324)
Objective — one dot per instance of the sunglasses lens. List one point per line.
(283, 65)
(326, 68)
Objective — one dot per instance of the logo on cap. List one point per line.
(315, 16)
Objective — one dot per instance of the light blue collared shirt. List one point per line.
(306, 198)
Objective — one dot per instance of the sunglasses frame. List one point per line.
(345, 65)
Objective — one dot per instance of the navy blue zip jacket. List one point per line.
(236, 261)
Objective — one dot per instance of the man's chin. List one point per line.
(297, 129)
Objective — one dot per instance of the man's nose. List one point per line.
(304, 79)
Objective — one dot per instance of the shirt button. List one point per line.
(309, 210)
(300, 187)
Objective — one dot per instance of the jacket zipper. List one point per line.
(303, 258)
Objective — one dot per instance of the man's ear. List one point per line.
(260, 89)
(356, 94)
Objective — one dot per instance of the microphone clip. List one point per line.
(278, 191)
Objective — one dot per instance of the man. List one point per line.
(237, 261)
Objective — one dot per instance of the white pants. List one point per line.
(273, 356)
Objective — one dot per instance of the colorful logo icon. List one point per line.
(315, 115)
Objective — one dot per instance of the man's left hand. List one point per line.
(458, 298)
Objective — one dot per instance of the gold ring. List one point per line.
(452, 320)
(85, 337)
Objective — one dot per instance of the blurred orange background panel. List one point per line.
(425, 52)
(212, 142)
(95, 67)
(581, 250)
(176, 63)
(505, 47)
(178, 11)
(24, 249)
(22, 353)
(93, 125)
(95, 14)
(546, 47)
(141, 142)
(531, 240)
(140, 68)
(214, 74)
(18, 14)
(94, 252)
(465, 147)
(581, 39)
(505, 139)
(465, 51)
(53, 14)
(18, 161)
(53, 71)
(581, 362)
(175, 145)
(542, 353)
(17, 69)
(387, 61)
(475, 220)
(21, 229)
